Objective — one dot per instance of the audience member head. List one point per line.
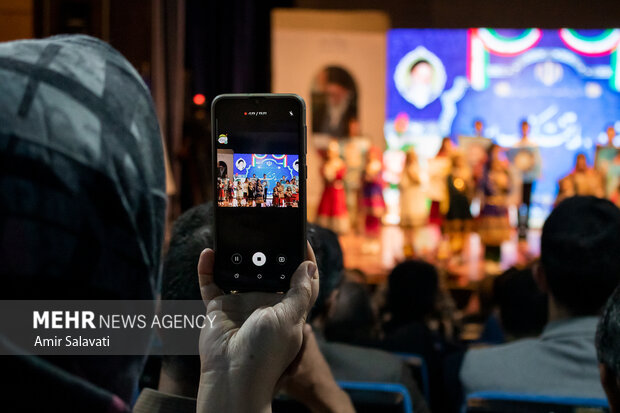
(580, 264)
(608, 349)
(412, 291)
(330, 263)
(522, 306)
(192, 232)
(355, 275)
(83, 204)
(351, 317)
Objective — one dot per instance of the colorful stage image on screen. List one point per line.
(564, 83)
(257, 180)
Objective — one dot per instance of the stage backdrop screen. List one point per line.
(564, 82)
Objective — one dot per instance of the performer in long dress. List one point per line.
(231, 192)
(239, 194)
(582, 181)
(332, 211)
(458, 220)
(494, 226)
(372, 189)
(246, 186)
(354, 152)
(221, 192)
(259, 194)
(413, 213)
(439, 168)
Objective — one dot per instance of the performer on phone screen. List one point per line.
(259, 194)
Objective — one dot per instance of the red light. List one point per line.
(245, 113)
(199, 99)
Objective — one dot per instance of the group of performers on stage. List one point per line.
(254, 192)
(497, 179)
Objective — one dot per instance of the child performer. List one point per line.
(251, 193)
(259, 194)
(276, 194)
(288, 196)
(437, 189)
(460, 192)
(231, 192)
(246, 187)
(295, 191)
(332, 212)
(240, 200)
(221, 194)
(413, 214)
(372, 190)
(494, 226)
(265, 185)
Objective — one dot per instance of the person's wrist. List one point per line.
(233, 391)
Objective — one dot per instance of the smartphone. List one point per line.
(259, 161)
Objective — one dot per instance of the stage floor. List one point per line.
(377, 256)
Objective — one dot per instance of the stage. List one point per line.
(377, 256)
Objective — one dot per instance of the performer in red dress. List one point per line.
(333, 206)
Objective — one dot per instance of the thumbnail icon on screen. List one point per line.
(223, 139)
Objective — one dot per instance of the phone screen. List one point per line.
(260, 190)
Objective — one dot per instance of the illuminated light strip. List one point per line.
(614, 80)
(255, 157)
(477, 62)
(594, 46)
(509, 46)
(278, 157)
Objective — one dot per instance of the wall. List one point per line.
(15, 19)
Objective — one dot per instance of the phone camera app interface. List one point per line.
(259, 191)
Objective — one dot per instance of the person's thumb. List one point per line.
(298, 300)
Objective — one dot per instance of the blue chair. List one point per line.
(506, 402)
(417, 363)
(377, 396)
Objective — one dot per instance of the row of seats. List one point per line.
(374, 397)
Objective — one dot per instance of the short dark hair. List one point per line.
(352, 319)
(580, 248)
(192, 232)
(608, 335)
(412, 292)
(330, 263)
(522, 305)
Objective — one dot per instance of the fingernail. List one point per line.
(204, 251)
(312, 271)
